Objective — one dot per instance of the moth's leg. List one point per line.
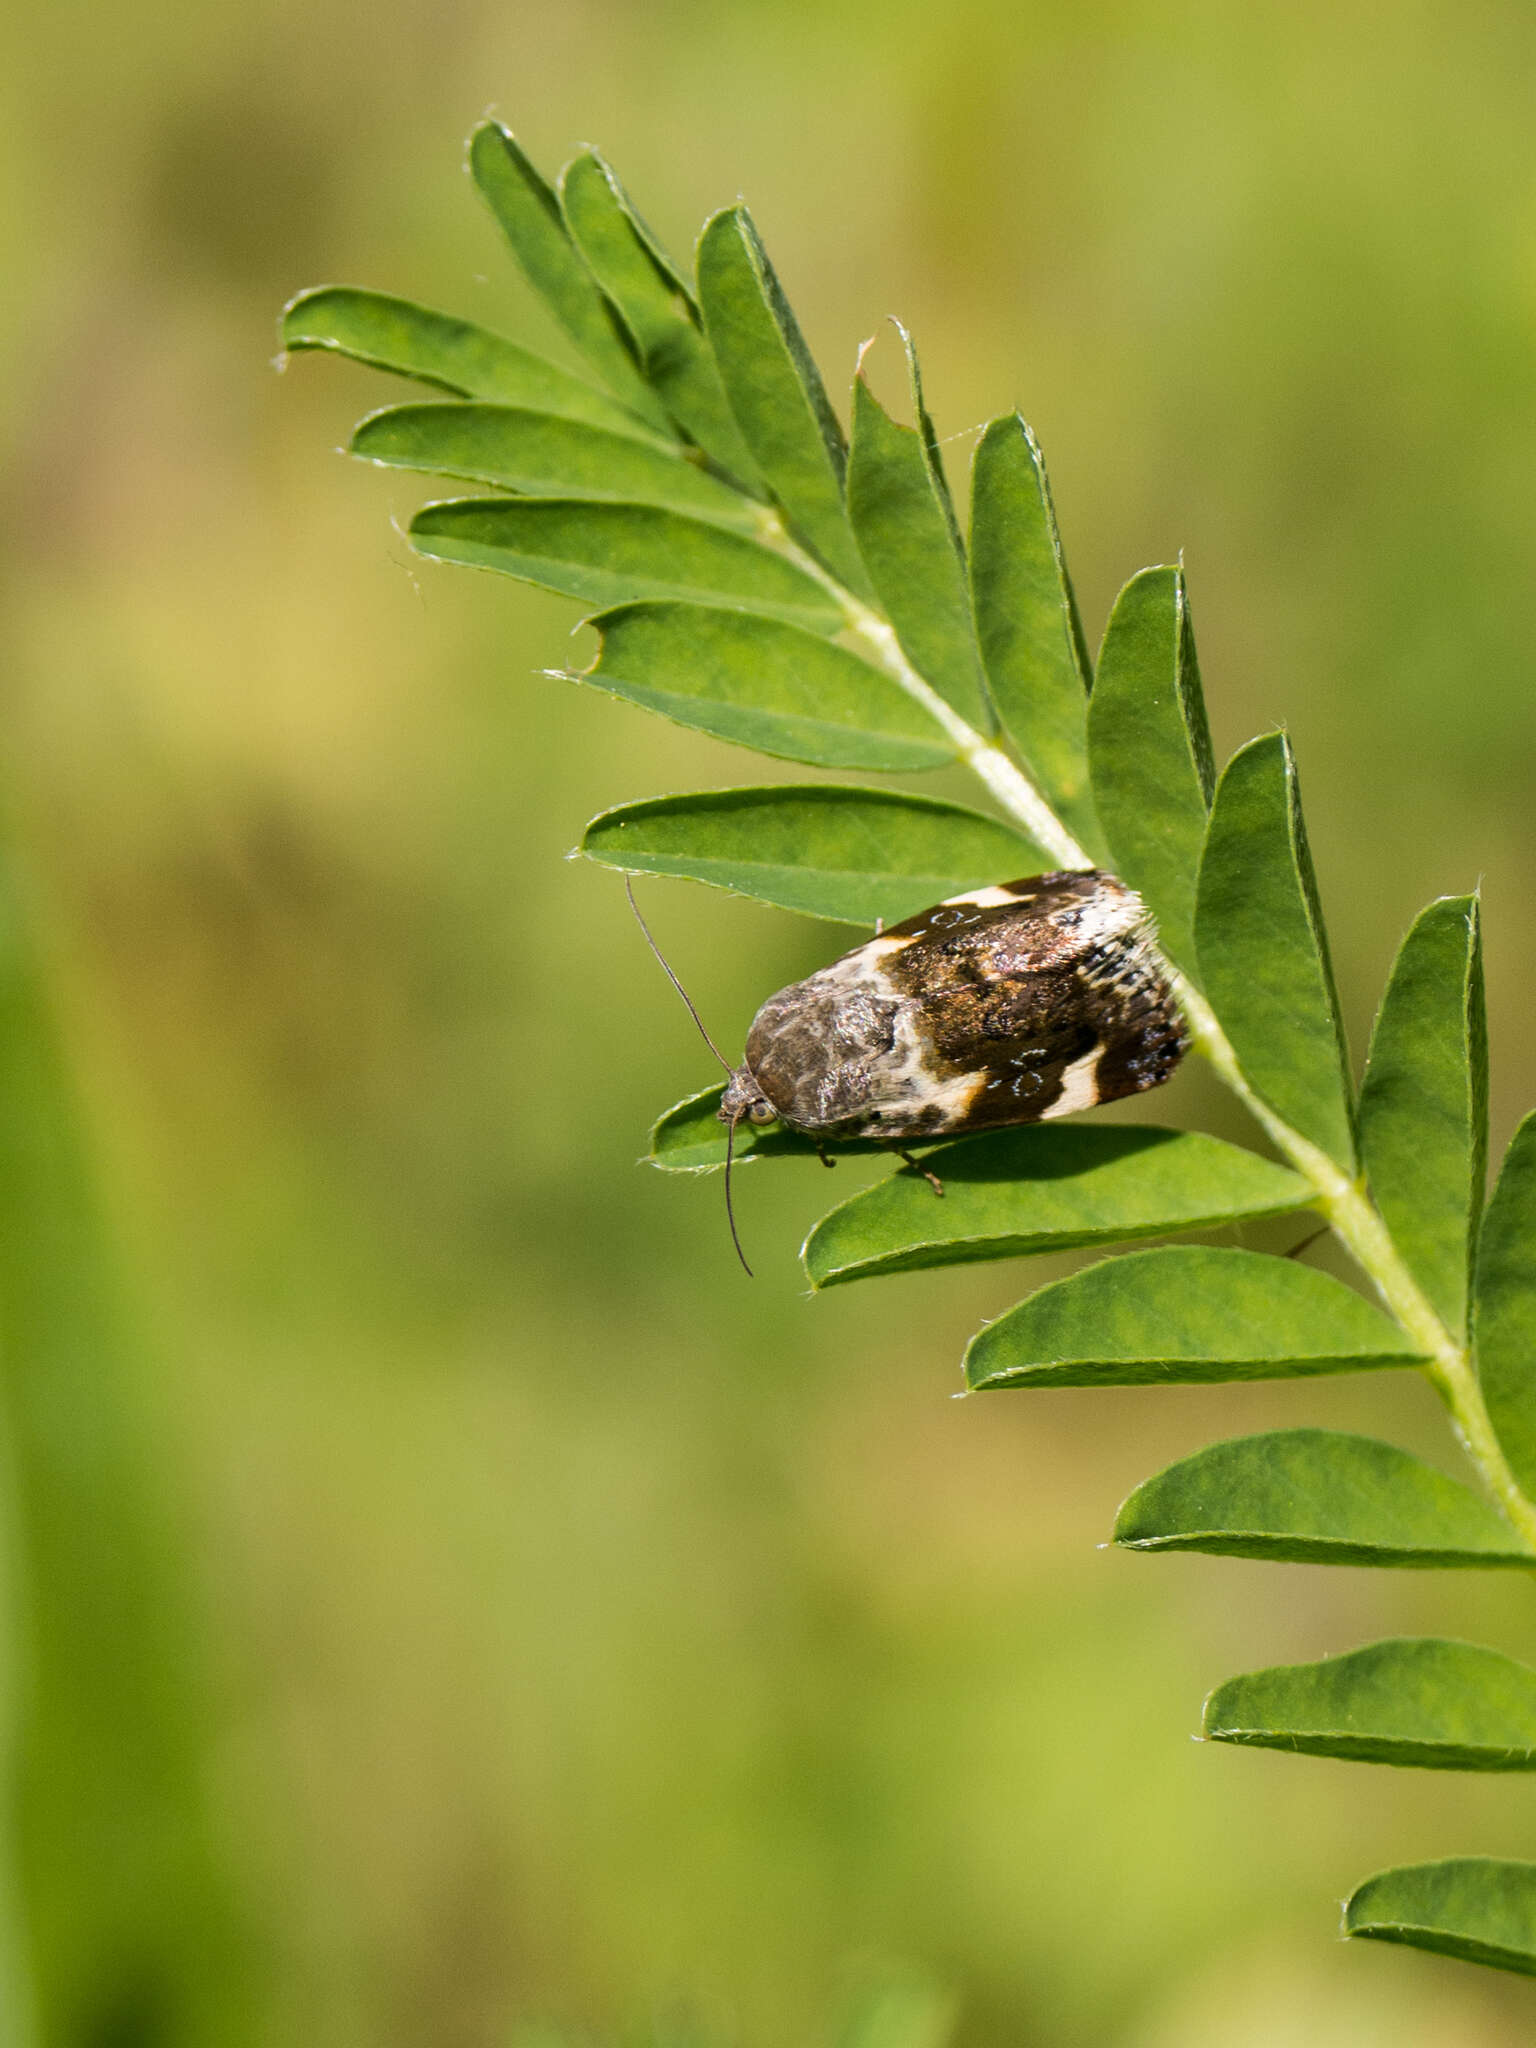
(821, 1152)
(917, 1167)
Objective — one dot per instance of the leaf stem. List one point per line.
(1350, 1213)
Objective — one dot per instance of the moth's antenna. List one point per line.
(730, 1213)
(732, 1122)
(726, 1066)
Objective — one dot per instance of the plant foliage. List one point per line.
(761, 577)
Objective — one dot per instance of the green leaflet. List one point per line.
(775, 390)
(1151, 752)
(1264, 953)
(546, 457)
(434, 348)
(1027, 626)
(1504, 1307)
(528, 214)
(690, 1138)
(859, 856)
(1047, 1187)
(1480, 1908)
(1316, 1496)
(611, 554)
(1424, 1103)
(657, 307)
(1412, 1700)
(901, 514)
(762, 684)
(1184, 1313)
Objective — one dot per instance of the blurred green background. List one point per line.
(456, 1595)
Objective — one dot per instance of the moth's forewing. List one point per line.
(1007, 1005)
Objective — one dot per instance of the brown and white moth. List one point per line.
(1005, 1005)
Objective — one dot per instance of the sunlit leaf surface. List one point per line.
(657, 308)
(1151, 752)
(762, 684)
(528, 212)
(906, 534)
(457, 356)
(1504, 1309)
(1424, 1103)
(1185, 1312)
(1316, 1496)
(1412, 1700)
(1047, 1187)
(860, 856)
(1480, 1908)
(1026, 620)
(1263, 951)
(546, 457)
(610, 554)
(775, 390)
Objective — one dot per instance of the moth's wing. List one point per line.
(1017, 1023)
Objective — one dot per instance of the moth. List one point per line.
(1005, 1005)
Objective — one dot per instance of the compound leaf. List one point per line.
(1424, 1102)
(906, 532)
(1416, 1700)
(759, 683)
(1151, 752)
(1047, 1187)
(775, 390)
(1184, 1313)
(1316, 1496)
(545, 457)
(455, 355)
(528, 213)
(657, 307)
(611, 554)
(1027, 626)
(1504, 1309)
(858, 856)
(1264, 953)
(1479, 1908)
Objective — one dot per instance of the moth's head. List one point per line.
(743, 1098)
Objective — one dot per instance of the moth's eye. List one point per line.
(762, 1113)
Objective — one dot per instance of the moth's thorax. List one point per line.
(1005, 1005)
